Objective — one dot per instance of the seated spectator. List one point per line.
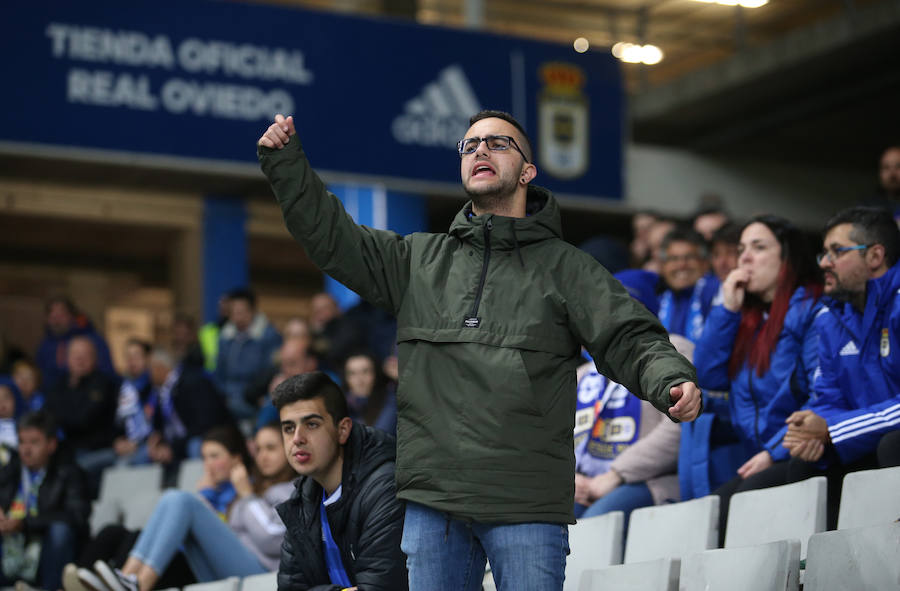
(134, 412)
(689, 292)
(187, 405)
(370, 399)
(84, 406)
(760, 346)
(297, 328)
(10, 401)
(294, 358)
(334, 335)
(45, 506)
(854, 415)
(626, 451)
(247, 346)
(639, 247)
(343, 521)
(708, 220)
(723, 250)
(208, 335)
(28, 379)
(184, 337)
(64, 322)
(656, 233)
(229, 529)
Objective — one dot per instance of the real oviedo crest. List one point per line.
(563, 121)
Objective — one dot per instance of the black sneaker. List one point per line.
(114, 579)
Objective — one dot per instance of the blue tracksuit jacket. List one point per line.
(759, 405)
(857, 389)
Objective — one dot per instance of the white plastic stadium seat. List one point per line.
(858, 558)
(229, 584)
(264, 582)
(870, 497)
(138, 508)
(673, 531)
(189, 474)
(768, 567)
(120, 483)
(658, 575)
(792, 511)
(594, 543)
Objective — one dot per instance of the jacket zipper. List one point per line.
(488, 226)
(755, 408)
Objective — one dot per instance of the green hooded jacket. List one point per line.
(491, 317)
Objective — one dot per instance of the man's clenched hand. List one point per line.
(279, 133)
(688, 401)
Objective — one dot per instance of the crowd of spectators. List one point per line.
(796, 354)
(205, 388)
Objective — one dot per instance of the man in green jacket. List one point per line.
(491, 318)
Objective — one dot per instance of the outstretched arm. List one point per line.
(373, 263)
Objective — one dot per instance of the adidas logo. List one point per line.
(439, 115)
(849, 349)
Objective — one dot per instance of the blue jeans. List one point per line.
(625, 498)
(448, 554)
(183, 521)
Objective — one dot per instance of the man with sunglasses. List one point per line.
(491, 320)
(853, 417)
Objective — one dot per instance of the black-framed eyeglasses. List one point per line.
(833, 254)
(494, 143)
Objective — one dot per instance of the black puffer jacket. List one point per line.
(366, 522)
(63, 496)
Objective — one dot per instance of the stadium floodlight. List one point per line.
(635, 53)
(742, 3)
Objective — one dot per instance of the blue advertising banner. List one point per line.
(202, 79)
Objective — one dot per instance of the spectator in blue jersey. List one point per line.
(247, 345)
(689, 287)
(855, 411)
(64, 322)
(134, 411)
(723, 250)
(626, 451)
(28, 379)
(760, 346)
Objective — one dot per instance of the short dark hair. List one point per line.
(871, 225)
(493, 114)
(684, 234)
(61, 299)
(243, 293)
(306, 386)
(230, 437)
(40, 420)
(730, 233)
(709, 210)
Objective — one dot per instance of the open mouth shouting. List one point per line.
(483, 170)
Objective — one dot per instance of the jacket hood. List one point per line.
(541, 222)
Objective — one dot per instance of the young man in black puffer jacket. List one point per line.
(344, 521)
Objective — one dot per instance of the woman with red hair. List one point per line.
(760, 346)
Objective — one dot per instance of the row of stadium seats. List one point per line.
(784, 522)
